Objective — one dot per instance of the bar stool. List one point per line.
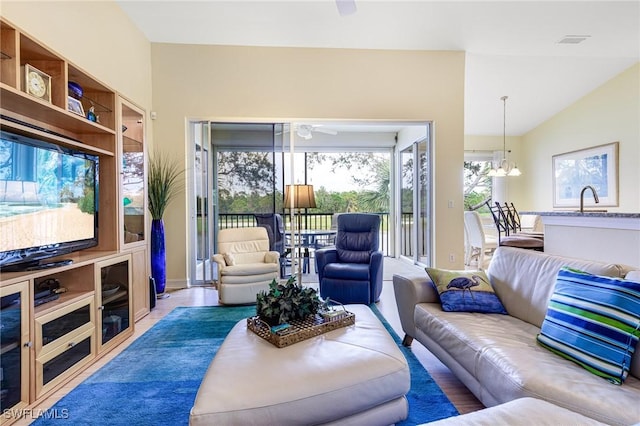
(506, 236)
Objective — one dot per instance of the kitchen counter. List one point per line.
(587, 213)
(604, 236)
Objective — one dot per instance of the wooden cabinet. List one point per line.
(105, 288)
(64, 343)
(115, 312)
(60, 338)
(14, 348)
(140, 283)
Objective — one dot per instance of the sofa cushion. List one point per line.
(633, 276)
(465, 291)
(593, 321)
(519, 412)
(524, 279)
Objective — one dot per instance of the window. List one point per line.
(477, 185)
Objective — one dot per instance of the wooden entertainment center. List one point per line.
(107, 286)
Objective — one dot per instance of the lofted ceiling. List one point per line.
(512, 48)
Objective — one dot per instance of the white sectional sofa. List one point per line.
(497, 357)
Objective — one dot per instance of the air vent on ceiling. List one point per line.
(573, 39)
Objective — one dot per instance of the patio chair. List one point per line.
(274, 225)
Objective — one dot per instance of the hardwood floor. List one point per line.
(459, 395)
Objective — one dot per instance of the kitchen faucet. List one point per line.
(595, 196)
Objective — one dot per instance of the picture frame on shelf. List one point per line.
(75, 106)
(596, 166)
(37, 83)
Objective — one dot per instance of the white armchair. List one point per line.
(245, 264)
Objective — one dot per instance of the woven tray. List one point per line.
(300, 330)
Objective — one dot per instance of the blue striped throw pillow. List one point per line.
(593, 321)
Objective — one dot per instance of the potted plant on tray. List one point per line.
(285, 302)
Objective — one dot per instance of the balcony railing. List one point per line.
(307, 221)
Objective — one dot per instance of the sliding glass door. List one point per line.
(407, 234)
(239, 171)
(237, 176)
(414, 203)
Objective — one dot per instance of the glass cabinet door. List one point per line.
(133, 174)
(14, 346)
(115, 298)
(64, 343)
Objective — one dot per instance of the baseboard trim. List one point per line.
(177, 284)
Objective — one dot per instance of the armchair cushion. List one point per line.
(347, 271)
(229, 259)
(272, 257)
(249, 269)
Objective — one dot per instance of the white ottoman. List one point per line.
(352, 375)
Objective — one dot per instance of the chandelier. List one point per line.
(504, 167)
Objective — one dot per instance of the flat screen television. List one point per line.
(48, 202)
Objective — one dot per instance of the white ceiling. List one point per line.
(512, 46)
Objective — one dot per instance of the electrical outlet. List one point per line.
(450, 204)
(452, 258)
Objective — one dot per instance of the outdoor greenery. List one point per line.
(246, 182)
(477, 185)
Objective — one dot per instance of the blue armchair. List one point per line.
(351, 272)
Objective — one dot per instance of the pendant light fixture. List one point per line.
(504, 168)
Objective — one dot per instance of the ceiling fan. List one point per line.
(306, 131)
(346, 7)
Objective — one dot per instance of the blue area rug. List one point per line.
(155, 380)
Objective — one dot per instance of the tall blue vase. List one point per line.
(158, 255)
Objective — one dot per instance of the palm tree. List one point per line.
(378, 199)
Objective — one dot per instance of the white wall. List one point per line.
(218, 82)
(608, 114)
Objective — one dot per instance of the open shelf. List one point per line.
(64, 300)
(42, 111)
(120, 294)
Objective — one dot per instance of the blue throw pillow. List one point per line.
(465, 291)
(593, 321)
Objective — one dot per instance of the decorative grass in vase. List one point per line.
(162, 187)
